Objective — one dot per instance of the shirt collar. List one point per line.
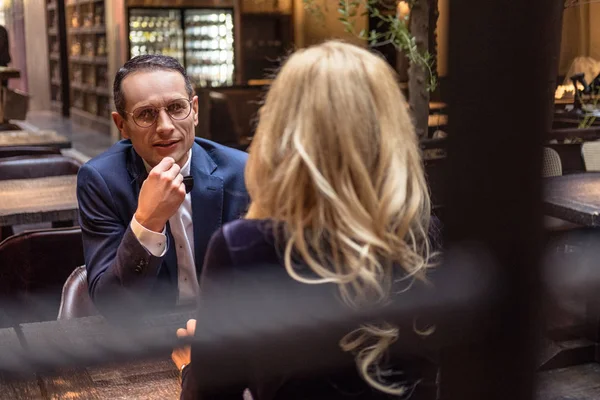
(185, 171)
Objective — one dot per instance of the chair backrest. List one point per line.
(551, 163)
(27, 167)
(75, 301)
(435, 173)
(33, 268)
(591, 155)
(571, 159)
(15, 151)
(222, 126)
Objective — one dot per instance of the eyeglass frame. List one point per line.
(159, 109)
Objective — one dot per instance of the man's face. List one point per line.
(167, 136)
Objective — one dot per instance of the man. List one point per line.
(144, 237)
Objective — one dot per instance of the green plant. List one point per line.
(590, 117)
(396, 32)
(312, 7)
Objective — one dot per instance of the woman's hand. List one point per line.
(181, 356)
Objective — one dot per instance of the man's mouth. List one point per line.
(165, 144)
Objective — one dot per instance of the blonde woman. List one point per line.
(338, 201)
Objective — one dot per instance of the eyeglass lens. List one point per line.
(146, 116)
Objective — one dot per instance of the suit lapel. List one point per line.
(137, 172)
(207, 202)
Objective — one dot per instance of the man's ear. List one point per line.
(195, 109)
(120, 123)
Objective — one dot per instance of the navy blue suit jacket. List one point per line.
(120, 271)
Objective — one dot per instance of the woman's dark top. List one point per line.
(245, 288)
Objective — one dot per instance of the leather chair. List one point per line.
(75, 301)
(33, 268)
(27, 167)
(222, 124)
(436, 179)
(16, 151)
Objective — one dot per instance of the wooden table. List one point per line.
(570, 99)
(574, 198)
(153, 380)
(93, 342)
(34, 138)
(29, 201)
(9, 72)
(6, 73)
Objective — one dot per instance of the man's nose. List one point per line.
(164, 122)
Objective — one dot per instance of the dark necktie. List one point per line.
(188, 181)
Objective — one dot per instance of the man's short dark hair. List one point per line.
(148, 62)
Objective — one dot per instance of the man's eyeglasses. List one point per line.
(146, 116)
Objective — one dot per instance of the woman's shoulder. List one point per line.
(250, 240)
(242, 232)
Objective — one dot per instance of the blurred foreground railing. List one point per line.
(486, 296)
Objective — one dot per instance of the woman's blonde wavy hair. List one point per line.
(335, 160)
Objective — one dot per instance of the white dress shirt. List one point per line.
(182, 230)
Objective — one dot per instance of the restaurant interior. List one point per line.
(510, 148)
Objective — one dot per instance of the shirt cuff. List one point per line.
(155, 243)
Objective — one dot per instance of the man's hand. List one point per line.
(161, 195)
(182, 355)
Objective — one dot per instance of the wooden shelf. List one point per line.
(56, 52)
(89, 59)
(90, 117)
(85, 95)
(87, 30)
(183, 3)
(101, 91)
(75, 2)
(79, 86)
